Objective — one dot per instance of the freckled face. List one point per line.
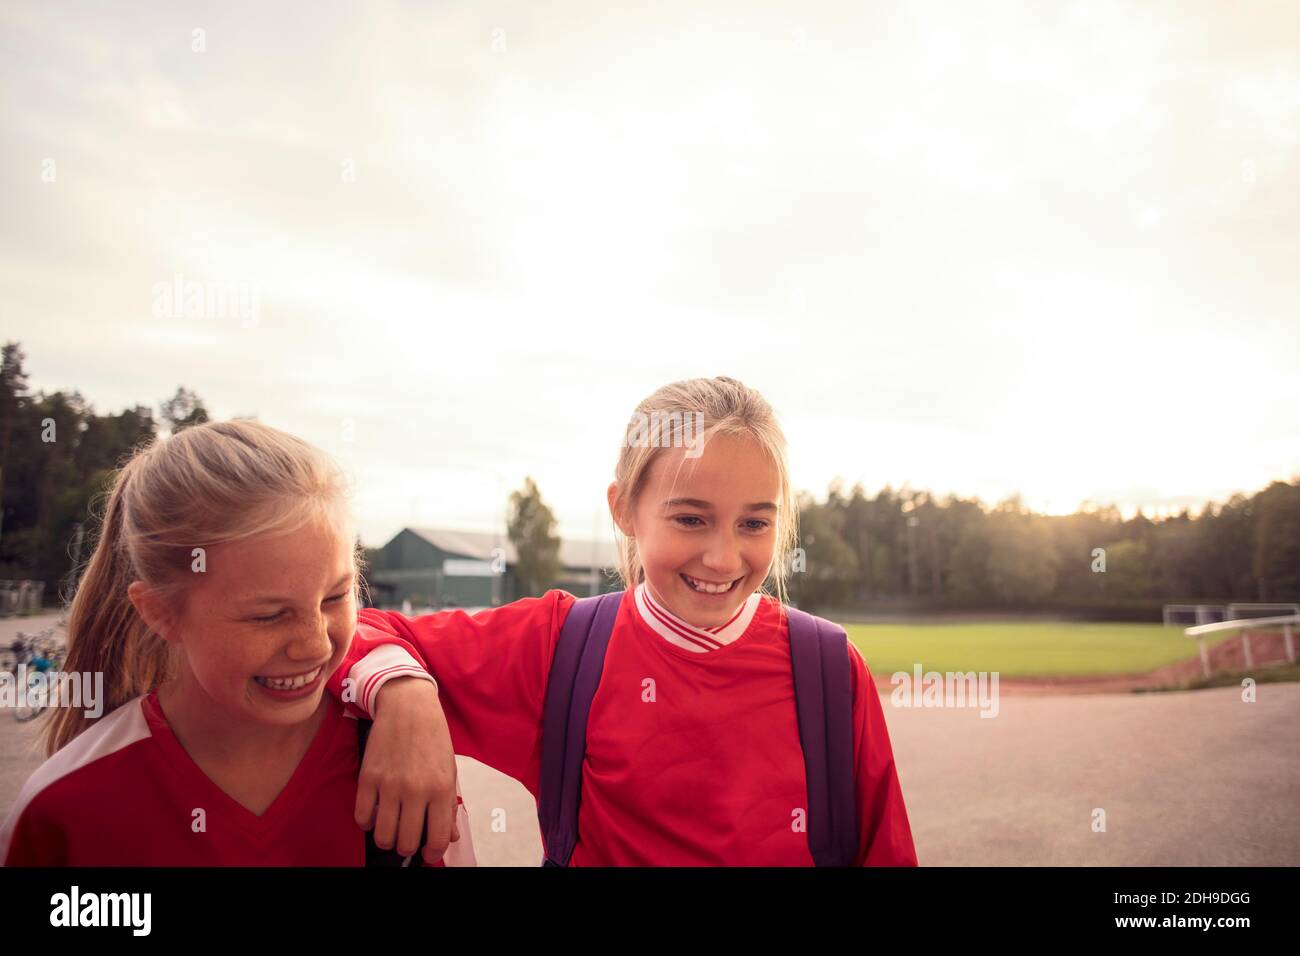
(706, 533)
(270, 620)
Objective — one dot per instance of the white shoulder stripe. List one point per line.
(120, 729)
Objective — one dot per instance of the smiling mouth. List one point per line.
(294, 682)
(709, 587)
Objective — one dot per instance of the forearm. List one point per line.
(492, 669)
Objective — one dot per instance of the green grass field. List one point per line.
(1022, 649)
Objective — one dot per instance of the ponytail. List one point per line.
(106, 635)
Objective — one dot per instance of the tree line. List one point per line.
(903, 548)
(911, 548)
(56, 456)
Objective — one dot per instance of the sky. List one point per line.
(975, 248)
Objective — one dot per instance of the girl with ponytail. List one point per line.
(220, 598)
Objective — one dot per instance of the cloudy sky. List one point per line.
(980, 248)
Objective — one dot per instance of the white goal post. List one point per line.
(1194, 613)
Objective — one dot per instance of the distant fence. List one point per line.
(20, 597)
(1215, 613)
(1286, 622)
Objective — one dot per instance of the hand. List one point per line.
(408, 776)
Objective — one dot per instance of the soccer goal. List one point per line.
(1183, 615)
(1239, 612)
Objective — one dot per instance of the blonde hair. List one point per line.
(205, 485)
(726, 407)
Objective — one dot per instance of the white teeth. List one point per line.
(288, 683)
(709, 588)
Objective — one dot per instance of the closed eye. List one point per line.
(268, 618)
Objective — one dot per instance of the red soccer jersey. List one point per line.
(693, 754)
(125, 793)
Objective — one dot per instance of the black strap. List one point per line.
(374, 855)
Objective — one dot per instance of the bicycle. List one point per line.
(18, 652)
(45, 656)
(37, 698)
(45, 644)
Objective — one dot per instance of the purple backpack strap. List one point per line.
(823, 692)
(575, 672)
(819, 657)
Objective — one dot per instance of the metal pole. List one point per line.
(1245, 646)
(1205, 657)
(1290, 645)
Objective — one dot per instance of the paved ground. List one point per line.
(1184, 778)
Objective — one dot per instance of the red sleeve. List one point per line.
(491, 668)
(884, 834)
(388, 663)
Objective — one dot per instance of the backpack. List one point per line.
(819, 658)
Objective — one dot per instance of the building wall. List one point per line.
(410, 568)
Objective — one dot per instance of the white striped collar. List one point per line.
(700, 639)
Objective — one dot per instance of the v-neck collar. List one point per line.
(286, 802)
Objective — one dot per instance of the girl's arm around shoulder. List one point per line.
(491, 668)
(407, 780)
(376, 656)
(884, 833)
